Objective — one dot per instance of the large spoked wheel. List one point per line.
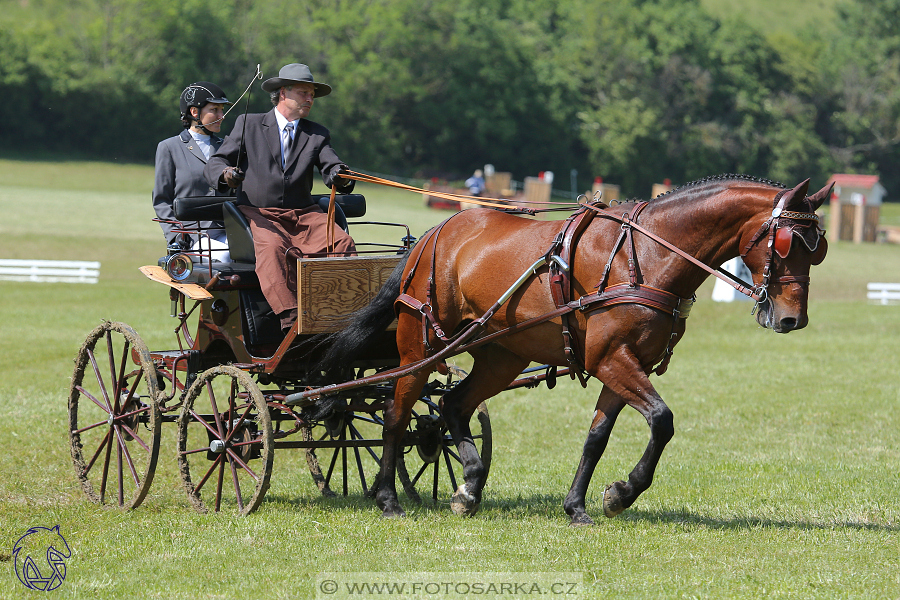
(225, 442)
(431, 461)
(347, 452)
(114, 422)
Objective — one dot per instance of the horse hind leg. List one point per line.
(607, 410)
(494, 369)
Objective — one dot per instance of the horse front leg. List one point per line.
(607, 410)
(493, 370)
(640, 395)
(397, 415)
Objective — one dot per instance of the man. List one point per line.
(269, 160)
(180, 161)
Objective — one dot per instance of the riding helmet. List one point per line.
(200, 94)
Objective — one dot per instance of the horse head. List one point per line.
(781, 253)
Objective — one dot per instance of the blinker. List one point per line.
(784, 237)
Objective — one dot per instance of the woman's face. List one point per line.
(210, 116)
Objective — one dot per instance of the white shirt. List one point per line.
(203, 142)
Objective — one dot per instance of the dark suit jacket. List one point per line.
(266, 184)
(179, 173)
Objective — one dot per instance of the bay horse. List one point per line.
(455, 274)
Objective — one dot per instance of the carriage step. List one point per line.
(49, 271)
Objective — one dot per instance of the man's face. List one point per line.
(297, 100)
(211, 116)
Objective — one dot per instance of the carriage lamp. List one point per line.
(179, 266)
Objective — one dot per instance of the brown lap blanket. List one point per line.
(274, 231)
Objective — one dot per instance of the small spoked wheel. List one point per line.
(347, 452)
(430, 461)
(114, 421)
(225, 442)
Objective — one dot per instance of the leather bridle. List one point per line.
(782, 226)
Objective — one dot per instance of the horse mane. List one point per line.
(722, 178)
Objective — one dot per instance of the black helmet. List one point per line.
(200, 94)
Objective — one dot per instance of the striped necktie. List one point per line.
(286, 143)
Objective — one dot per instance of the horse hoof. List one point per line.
(396, 513)
(463, 503)
(612, 504)
(581, 520)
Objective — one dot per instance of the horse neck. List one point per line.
(711, 224)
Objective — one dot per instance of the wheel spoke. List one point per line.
(239, 422)
(203, 422)
(208, 473)
(219, 485)
(237, 486)
(91, 397)
(97, 453)
(89, 427)
(449, 469)
(120, 484)
(215, 410)
(100, 382)
(109, 441)
(136, 437)
(242, 464)
(419, 474)
(124, 450)
(121, 379)
(110, 354)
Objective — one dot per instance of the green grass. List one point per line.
(781, 480)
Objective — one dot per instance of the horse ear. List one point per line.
(816, 200)
(795, 197)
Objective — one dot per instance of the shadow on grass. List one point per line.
(550, 507)
(738, 523)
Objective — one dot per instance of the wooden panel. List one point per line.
(191, 290)
(330, 289)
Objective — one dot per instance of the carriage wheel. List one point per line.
(348, 452)
(225, 442)
(433, 457)
(114, 421)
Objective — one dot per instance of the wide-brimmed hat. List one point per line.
(295, 73)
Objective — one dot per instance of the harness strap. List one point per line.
(563, 246)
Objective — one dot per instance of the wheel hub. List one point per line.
(430, 437)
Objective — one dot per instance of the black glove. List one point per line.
(233, 176)
(344, 185)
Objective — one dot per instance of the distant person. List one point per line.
(180, 161)
(269, 159)
(475, 183)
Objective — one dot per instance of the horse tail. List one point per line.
(360, 328)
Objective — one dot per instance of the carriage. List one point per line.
(510, 292)
(227, 385)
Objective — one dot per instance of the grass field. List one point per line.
(781, 480)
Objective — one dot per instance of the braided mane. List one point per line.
(723, 177)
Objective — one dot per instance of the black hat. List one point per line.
(200, 94)
(295, 73)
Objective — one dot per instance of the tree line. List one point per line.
(631, 90)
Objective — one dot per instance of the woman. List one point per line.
(180, 161)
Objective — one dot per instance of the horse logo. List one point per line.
(37, 541)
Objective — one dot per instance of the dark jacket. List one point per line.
(179, 174)
(266, 184)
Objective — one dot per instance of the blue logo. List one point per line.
(50, 549)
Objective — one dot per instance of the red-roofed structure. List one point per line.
(855, 207)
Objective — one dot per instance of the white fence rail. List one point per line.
(49, 271)
(883, 293)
